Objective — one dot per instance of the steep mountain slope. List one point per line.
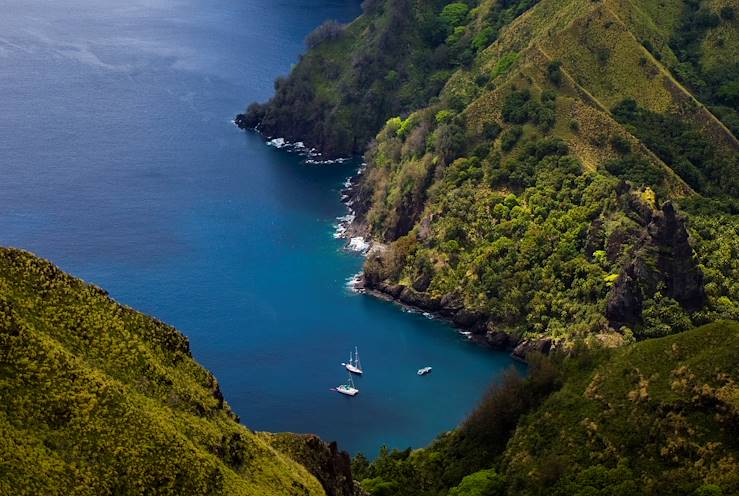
(576, 175)
(100, 399)
(660, 417)
(393, 59)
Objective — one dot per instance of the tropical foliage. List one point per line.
(634, 421)
(100, 399)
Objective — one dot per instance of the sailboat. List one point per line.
(348, 388)
(354, 366)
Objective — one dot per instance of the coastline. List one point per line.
(475, 326)
(312, 155)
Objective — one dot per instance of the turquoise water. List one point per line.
(119, 162)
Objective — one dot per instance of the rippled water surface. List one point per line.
(119, 162)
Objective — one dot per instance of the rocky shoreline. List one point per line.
(312, 156)
(476, 326)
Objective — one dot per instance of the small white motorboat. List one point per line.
(354, 365)
(348, 388)
(424, 371)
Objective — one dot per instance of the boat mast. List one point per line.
(356, 358)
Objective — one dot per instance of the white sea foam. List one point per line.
(313, 156)
(353, 281)
(342, 226)
(358, 244)
(313, 161)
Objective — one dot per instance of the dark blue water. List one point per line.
(119, 162)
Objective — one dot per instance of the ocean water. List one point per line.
(119, 162)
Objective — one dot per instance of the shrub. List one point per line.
(621, 144)
(454, 14)
(483, 38)
(490, 130)
(516, 108)
(709, 490)
(510, 137)
(602, 54)
(504, 63)
(482, 483)
(554, 73)
(637, 170)
(663, 316)
(443, 116)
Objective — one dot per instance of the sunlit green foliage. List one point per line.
(658, 417)
(482, 483)
(684, 148)
(100, 399)
(454, 14)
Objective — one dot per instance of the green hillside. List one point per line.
(660, 417)
(566, 169)
(557, 176)
(100, 399)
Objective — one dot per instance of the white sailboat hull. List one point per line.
(424, 371)
(354, 370)
(348, 391)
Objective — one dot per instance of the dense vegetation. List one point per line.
(660, 417)
(552, 175)
(551, 185)
(100, 399)
(391, 60)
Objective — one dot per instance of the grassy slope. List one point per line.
(100, 399)
(666, 409)
(660, 417)
(603, 61)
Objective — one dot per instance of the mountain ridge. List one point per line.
(587, 89)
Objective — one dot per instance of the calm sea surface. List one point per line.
(119, 162)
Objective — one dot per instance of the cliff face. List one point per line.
(555, 185)
(330, 466)
(663, 259)
(100, 399)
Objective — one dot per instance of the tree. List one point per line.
(482, 483)
(454, 14)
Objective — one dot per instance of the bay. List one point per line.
(120, 163)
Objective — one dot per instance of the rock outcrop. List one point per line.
(325, 461)
(662, 260)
